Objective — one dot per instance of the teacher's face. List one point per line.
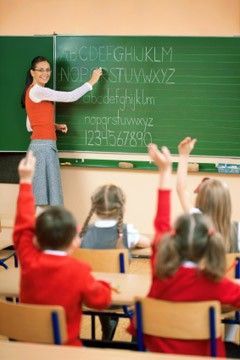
(41, 73)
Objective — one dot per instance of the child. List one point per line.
(48, 274)
(109, 232)
(177, 275)
(213, 199)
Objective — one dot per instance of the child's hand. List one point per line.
(162, 158)
(26, 168)
(186, 146)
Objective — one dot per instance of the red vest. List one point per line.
(41, 117)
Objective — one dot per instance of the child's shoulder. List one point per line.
(78, 265)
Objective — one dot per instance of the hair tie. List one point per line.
(211, 232)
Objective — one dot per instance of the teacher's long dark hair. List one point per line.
(29, 78)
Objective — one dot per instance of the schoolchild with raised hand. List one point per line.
(49, 275)
(188, 263)
(213, 199)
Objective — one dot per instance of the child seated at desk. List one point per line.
(48, 274)
(109, 232)
(176, 256)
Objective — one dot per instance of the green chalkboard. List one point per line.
(154, 89)
(16, 53)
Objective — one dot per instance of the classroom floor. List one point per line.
(136, 266)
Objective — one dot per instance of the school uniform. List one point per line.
(53, 277)
(103, 234)
(188, 284)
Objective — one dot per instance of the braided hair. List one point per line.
(108, 202)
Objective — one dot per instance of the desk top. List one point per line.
(23, 351)
(128, 285)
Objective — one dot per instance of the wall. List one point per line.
(112, 17)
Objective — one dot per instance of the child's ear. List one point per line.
(76, 241)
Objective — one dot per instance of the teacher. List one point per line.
(38, 101)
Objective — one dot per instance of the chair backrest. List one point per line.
(33, 323)
(233, 265)
(178, 320)
(104, 260)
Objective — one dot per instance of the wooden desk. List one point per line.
(129, 285)
(23, 351)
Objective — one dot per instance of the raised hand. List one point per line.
(162, 158)
(186, 146)
(26, 168)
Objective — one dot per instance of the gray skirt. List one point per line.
(47, 185)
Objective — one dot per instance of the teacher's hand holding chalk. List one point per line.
(95, 76)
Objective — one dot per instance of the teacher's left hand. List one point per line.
(61, 127)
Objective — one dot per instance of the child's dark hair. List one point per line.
(193, 239)
(55, 228)
(29, 77)
(108, 202)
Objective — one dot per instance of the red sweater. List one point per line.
(187, 284)
(41, 117)
(51, 279)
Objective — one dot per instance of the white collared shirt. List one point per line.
(55, 252)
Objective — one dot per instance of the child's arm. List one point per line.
(184, 148)
(25, 215)
(163, 161)
(97, 294)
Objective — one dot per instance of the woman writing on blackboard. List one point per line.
(38, 102)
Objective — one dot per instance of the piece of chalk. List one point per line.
(193, 167)
(125, 165)
(65, 163)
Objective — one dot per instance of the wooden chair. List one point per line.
(105, 260)
(178, 320)
(33, 323)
